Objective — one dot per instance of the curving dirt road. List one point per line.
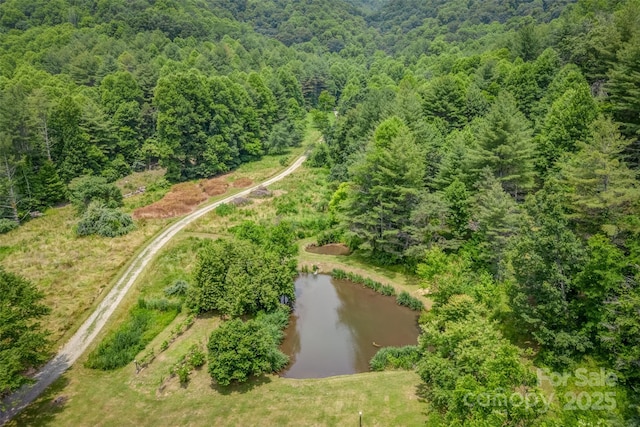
(92, 326)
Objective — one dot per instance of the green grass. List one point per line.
(152, 397)
(122, 398)
(76, 273)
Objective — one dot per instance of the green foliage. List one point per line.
(239, 350)
(405, 299)
(143, 323)
(505, 147)
(386, 182)
(603, 188)
(225, 209)
(237, 277)
(546, 255)
(463, 355)
(195, 358)
(6, 225)
(87, 189)
(395, 358)
(23, 341)
(103, 221)
(381, 288)
(179, 288)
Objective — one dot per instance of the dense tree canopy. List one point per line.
(492, 147)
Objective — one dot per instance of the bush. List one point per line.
(6, 225)
(104, 221)
(395, 358)
(225, 209)
(179, 288)
(239, 350)
(121, 347)
(408, 301)
(329, 236)
(87, 189)
(387, 290)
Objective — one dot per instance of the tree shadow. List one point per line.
(241, 388)
(44, 410)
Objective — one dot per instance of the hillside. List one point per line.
(477, 160)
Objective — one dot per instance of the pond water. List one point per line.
(335, 324)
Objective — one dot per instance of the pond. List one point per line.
(337, 326)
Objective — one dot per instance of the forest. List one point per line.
(490, 149)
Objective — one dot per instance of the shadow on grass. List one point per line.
(241, 388)
(43, 412)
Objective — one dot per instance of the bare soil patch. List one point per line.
(330, 249)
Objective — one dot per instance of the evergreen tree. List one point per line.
(602, 187)
(495, 217)
(51, 188)
(567, 122)
(545, 257)
(385, 187)
(624, 92)
(505, 147)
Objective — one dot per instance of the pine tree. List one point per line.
(505, 147)
(603, 188)
(385, 187)
(567, 122)
(52, 189)
(545, 256)
(495, 217)
(624, 89)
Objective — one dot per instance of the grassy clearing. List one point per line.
(95, 398)
(74, 273)
(151, 397)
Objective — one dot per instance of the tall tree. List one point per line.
(384, 191)
(23, 342)
(505, 147)
(567, 122)
(545, 257)
(602, 187)
(624, 92)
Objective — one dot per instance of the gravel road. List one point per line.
(85, 335)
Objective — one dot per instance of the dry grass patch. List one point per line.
(182, 199)
(72, 272)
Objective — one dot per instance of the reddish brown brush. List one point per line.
(182, 199)
(242, 183)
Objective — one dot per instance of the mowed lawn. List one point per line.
(84, 397)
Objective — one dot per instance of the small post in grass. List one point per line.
(360, 418)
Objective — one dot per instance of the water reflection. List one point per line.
(335, 324)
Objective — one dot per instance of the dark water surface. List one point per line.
(335, 323)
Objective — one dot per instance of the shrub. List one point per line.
(121, 347)
(395, 358)
(103, 221)
(408, 301)
(239, 350)
(87, 189)
(179, 288)
(6, 225)
(225, 209)
(329, 236)
(387, 290)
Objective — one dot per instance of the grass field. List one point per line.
(153, 397)
(75, 273)
(85, 397)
